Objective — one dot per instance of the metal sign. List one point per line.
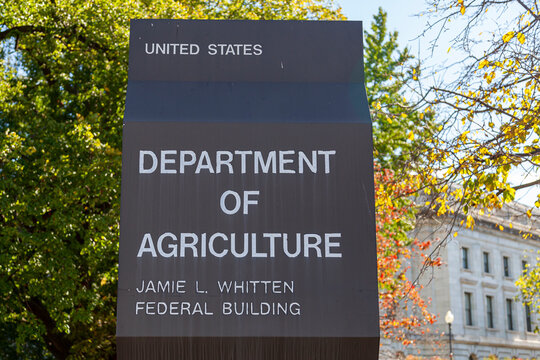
(247, 215)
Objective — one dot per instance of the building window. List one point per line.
(528, 318)
(524, 266)
(510, 314)
(468, 309)
(465, 257)
(506, 266)
(487, 268)
(489, 311)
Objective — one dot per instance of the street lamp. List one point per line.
(449, 318)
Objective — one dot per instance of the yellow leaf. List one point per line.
(521, 37)
(508, 36)
(411, 136)
(483, 64)
(470, 222)
(501, 227)
(462, 10)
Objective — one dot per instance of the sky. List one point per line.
(401, 16)
(404, 17)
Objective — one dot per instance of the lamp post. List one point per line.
(449, 318)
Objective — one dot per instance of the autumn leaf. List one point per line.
(508, 36)
(483, 63)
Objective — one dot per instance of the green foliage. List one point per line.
(399, 128)
(63, 72)
(398, 131)
(31, 349)
(529, 287)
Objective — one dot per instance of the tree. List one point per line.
(404, 313)
(529, 287)
(491, 110)
(492, 113)
(399, 127)
(399, 132)
(63, 72)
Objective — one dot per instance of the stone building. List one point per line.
(477, 283)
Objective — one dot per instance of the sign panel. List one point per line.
(247, 218)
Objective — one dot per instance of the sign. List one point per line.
(247, 214)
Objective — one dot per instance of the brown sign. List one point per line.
(247, 220)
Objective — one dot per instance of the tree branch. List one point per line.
(70, 31)
(537, 17)
(57, 342)
(523, 186)
(23, 29)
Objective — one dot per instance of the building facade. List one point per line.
(477, 284)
